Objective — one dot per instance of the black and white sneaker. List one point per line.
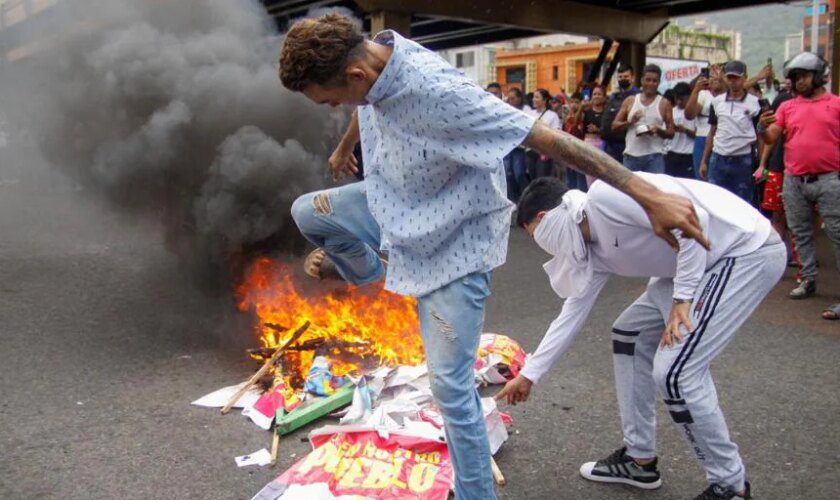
(621, 468)
(716, 492)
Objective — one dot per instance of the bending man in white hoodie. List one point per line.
(694, 303)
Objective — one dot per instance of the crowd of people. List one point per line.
(717, 128)
(430, 218)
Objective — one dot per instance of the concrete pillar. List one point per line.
(634, 54)
(390, 20)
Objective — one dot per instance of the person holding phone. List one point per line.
(707, 86)
(811, 124)
(729, 154)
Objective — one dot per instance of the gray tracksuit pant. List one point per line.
(800, 199)
(728, 294)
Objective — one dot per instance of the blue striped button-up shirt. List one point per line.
(433, 143)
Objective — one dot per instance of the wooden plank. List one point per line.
(497, 473)
(275, 446)
(264, 369)
(297, 418)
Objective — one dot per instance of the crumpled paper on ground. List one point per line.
(219, 398)
(498, 359)
(261, 457)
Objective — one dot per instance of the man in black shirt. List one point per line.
(771, 169)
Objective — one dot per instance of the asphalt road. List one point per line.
(103, 344)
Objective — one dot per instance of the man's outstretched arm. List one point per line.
(342, 161)
(666, 211)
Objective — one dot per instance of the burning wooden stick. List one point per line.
(276, 327)
(309, 345)
(497, 473)
(306, 345)
(268, 363)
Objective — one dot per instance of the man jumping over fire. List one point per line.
(433, 199)
(693, 305)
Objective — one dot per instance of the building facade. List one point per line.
(556, 69)
(793, 44)
(478, 62)
(700, 41)
(825, 29)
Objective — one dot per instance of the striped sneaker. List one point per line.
(621, 468)
(716, 492)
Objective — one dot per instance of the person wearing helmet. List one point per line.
(811, 124)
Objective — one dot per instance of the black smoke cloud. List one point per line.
(174, 110)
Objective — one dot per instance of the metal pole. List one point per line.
(815, 27)
(835, 58)
(599, 62)
(612, 66)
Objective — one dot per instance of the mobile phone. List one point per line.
(704, 72)
(765, 104)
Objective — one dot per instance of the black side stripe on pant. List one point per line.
(685, 346)
(696, 338)
(700, 324)
(626, 333)
(628, 348)
(682, 417)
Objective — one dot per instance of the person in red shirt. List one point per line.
(811, 124)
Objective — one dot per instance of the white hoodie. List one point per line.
(623, 243)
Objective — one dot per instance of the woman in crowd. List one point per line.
(543, 166)
(590, 115)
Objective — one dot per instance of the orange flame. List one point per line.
(362, 327)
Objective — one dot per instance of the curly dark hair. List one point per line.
(317, 50)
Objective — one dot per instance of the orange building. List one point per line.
(825, 29)
(552, 68)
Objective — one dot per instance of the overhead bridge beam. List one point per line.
(550, 16)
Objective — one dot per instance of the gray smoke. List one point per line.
(174, 110)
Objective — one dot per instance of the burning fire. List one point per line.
(355, 328)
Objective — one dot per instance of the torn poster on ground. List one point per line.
(356, 461)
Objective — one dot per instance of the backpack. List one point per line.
(611, 110)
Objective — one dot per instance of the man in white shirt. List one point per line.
(679, 158)
(647, 120)
(729, 155)
(694, 303)
(699, 108)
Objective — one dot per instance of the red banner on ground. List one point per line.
(366, 464)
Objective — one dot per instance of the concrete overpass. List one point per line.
(456, 23)
(443, 24)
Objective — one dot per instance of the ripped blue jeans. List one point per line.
(451, 319)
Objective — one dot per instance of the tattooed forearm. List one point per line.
(572, 152)
(582, 157)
